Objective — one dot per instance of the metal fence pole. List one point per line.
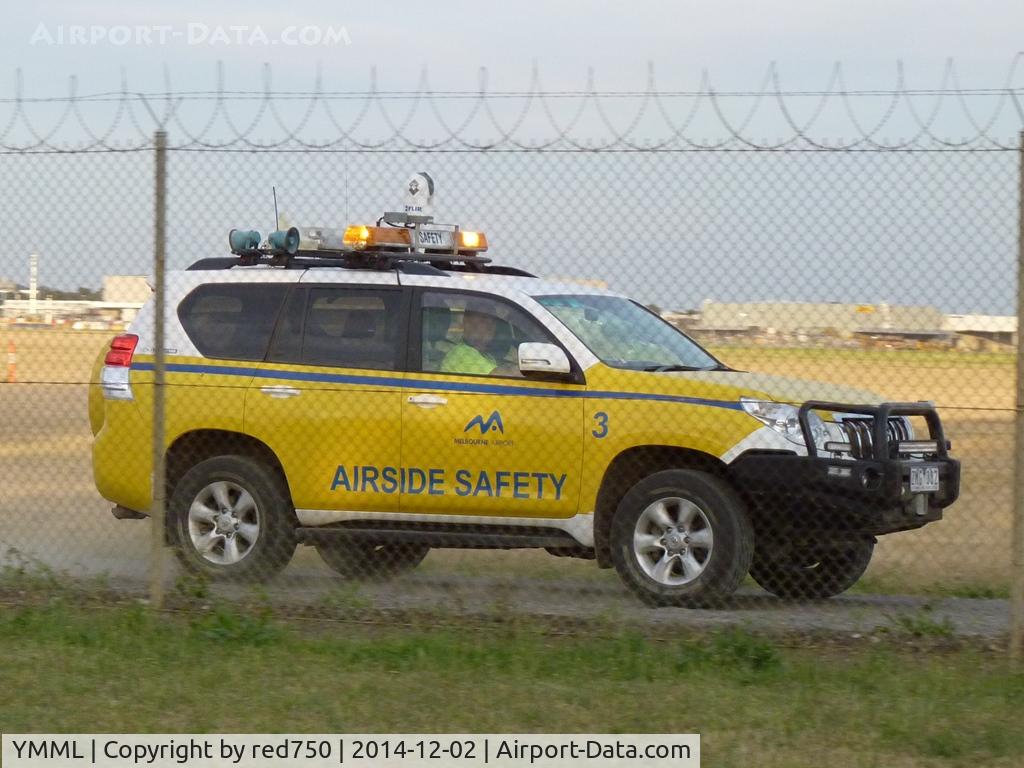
(1017, 575)
(157, 511)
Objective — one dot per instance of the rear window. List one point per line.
(232, 321)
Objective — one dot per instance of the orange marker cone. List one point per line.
(12, 362)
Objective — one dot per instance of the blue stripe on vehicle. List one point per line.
(445, 386)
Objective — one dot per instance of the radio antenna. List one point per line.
(277, 218)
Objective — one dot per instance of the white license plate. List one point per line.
(432, 238)
(924, 479)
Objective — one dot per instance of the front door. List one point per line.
(479, 439)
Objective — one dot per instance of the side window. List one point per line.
(474, 334)
(232, 321)
(352, 328)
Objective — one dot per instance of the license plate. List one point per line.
(433, 238)
(924, 479)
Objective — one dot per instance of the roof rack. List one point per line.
(351, 259)
(406, 263)
(415, 236)
(408, 241)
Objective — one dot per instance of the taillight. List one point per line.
(122, 348)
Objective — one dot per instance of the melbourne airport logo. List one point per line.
(492, 424)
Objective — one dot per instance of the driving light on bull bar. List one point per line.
(784, 419)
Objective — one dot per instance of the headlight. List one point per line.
(785, 419)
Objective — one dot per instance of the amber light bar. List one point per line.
(359, 236)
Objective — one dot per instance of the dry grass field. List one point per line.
(50, 510)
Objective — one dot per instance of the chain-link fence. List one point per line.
(447, 434)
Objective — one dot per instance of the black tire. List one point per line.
(726, 559)
(274, 540)
(361, 561)
(800, 572)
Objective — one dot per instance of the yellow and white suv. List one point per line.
(387, 390)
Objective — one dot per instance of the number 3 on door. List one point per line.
(601, 420)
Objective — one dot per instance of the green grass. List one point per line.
(973, 591)
(893, 585)
(922, 624)
(73, 668)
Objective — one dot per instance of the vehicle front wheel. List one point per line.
(362, 560)
(811, 573)
(682, 537)
(232, 520)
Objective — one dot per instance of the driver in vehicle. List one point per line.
(470, 355)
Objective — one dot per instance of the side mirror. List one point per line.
(543, 358)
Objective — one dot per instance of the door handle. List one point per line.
(428, 401)
(279, 392)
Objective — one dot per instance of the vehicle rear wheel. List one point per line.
(811, 573)
(682, 537)
(362, 560)
(232, 520)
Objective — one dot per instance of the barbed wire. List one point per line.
(659, 120)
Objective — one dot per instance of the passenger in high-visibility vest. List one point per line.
(469, 355)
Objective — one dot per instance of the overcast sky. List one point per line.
(900, 229)
(735, 39)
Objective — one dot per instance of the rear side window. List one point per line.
(350, 328)
(232, 321)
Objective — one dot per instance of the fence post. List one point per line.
(1017, 574)
(157, 511)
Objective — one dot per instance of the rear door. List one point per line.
(228, 325)
(328, 398)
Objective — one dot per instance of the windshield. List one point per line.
(625, 335)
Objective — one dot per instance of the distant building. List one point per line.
(126, 289)
(685, 321)
(801, 321)
(993, 330)
(123, 296)
(602, 284)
